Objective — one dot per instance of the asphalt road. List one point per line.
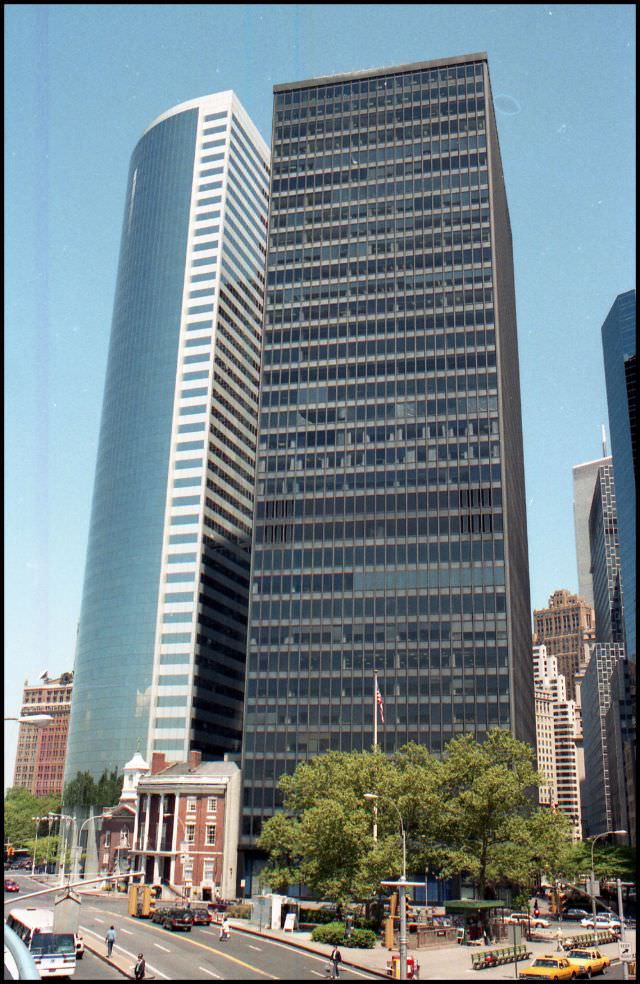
(198, 955)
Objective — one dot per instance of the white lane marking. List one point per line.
(133, 956)
(99, 920)
(127, 931)
(320, 957)
(204, 969)
(318, 974)
(259, 949)
(160, 947)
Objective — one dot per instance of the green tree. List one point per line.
(487, 792)
(610, 861)
(473, 812)
(84, 791)
(20, 806)
(326, 840)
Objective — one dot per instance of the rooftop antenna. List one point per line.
(604, 442)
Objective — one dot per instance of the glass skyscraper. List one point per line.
(162, 635)
(619, 348)
(390, 525)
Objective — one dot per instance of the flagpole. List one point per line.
(375, 710)
(375, 749)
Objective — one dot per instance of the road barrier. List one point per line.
(503, 955)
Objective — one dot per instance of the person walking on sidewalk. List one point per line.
(336, 959)
(140, 967)
(110, 939)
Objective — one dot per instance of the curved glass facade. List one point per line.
(115, 646)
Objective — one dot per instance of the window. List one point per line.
(191, 804)
(190, 833)
(211, 835)
(207, 871)
(212, 804)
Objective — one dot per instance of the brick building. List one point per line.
(186, 827)
(41, 751)
(566, 627)
(118, 823)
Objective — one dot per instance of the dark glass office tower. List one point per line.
(605, 558)
(390, 526)
(619, 349)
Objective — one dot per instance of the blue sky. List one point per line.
(82, 82)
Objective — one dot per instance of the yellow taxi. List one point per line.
(590, 961)
(550, 968)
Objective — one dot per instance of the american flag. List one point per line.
(379, 702)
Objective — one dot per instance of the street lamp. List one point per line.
(64, 816)
(74, 862)
(401, 889)
(605, 833)
(37, 820)
(37, 720)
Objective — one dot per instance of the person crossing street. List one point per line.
(110, 939)
(336, 959)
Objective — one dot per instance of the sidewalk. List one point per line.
(451, 963)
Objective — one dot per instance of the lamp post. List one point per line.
(37, 820)
(605, 833)
(402, 889)
(625, 964)
(66, 817)
(37, 720)
(76, 873)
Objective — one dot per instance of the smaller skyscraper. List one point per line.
(559, 739)
(621, 731)
(595, 690)
(605, 558)
(566, 627)
(619, 350)
(584, 483)
(41, 751)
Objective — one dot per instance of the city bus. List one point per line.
(54, 954)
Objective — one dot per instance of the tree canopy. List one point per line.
(85, 791)
(20, 806)
(471, 812)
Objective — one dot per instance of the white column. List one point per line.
(174, 838)
(156, 867)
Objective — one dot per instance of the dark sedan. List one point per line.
(201, 916)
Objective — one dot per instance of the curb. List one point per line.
(107, 960)
(309, 949)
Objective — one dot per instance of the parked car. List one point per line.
(173, 917)
(575, 914)
(201, 916)
(523, 918)
(591, 961)
(550, 968)
(10, 885)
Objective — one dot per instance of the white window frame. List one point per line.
(190, 833)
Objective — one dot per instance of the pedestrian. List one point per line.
(336, 960)
(110, 939)
(225, 930)
(487, 938)
(536, 909)
(140, 967)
